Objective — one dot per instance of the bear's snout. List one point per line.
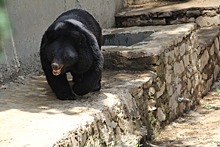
(56, 68)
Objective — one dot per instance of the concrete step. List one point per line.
(204, 13)
(142, 48)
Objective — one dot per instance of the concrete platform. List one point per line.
(30, 115)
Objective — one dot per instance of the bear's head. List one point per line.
(62, 51)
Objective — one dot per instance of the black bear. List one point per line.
(72, 43)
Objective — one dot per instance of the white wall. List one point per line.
(30, 18)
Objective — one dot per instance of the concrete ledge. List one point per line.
(147, 52)
(205, 13)
(109, 117)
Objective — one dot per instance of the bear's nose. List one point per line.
(55, 66)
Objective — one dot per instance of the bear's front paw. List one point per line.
(67, 97)
(97, 87)
(78, 90)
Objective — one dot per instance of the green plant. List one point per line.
(138, 145)
(211, 107)
(4, 22)
(4, 27)
(218, 89)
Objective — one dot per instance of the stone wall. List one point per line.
(189, 71)
(185, 68)
(137, 2)
(204, 16)
(185, 63)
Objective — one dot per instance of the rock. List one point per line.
(178, 67)
(212, 50)
(165, 14)
(204, 21)
(186, 60)
(216, 71)
(193, 13)
(160, 115)
(162, 89)
(203, 61)
(209, 13)
(176, 51)
(151, 91)
(217, 46)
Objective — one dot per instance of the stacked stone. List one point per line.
(120, 116)
(190, 69)
(202, 16)
(138, 2)
(184, 62)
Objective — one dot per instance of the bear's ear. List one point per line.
(62, 26)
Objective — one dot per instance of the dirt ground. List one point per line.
(198, 128)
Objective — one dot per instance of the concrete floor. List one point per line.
(30, 114)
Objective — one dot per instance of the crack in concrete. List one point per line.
(17, 65)
(65, 5)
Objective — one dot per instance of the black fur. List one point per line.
(74, 48)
